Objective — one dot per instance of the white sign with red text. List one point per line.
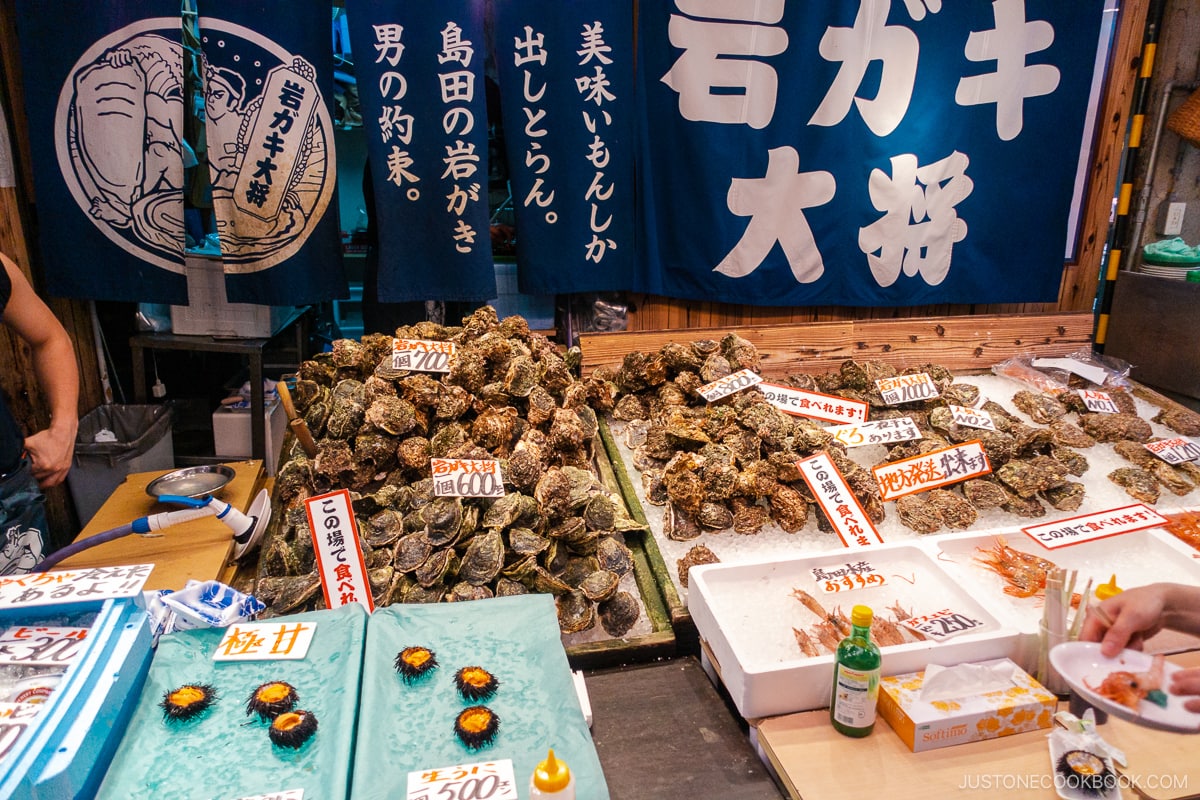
(338, 551)
(485, 780)
(421, 355)
(465, 477)
(1100, 402)
(907, 388)
(814, 405)
(1099, 525)
(36, 645)
(1175, 451)
(841, 507)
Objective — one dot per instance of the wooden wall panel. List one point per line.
(964, 342)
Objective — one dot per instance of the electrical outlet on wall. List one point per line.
(1173, 219)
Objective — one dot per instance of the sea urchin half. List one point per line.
(477, 726)
(414, 662)
(475, 683)
(272, 699)
(293, 728)
(188, 700)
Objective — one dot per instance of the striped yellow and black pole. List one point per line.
(1118, 235)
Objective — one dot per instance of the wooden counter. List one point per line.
(195, 550)
(816, 763)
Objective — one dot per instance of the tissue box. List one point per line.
(923, 725)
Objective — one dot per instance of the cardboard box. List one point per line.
(231, 433)
(923, 725)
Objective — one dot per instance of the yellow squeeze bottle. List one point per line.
(552, 778)
(1107, 590)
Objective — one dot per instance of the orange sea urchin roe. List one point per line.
(475, 720)
(476, 676)
(185, 696)
(273, 692)
(417, 656)
(287, 721)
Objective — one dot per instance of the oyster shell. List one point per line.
(1137, 483)
(698, 554)
(619, 614)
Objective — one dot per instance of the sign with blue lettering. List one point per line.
(869, 153)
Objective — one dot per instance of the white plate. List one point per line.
(1081, 664)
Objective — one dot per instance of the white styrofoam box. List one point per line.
(208, 313)
(231, 433)
(1136, 559)
(745, 613)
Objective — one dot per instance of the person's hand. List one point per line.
(50, 451)
(1185, 682)
(1135, 615)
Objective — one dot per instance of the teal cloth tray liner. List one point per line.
(405, 728)
(225, 754)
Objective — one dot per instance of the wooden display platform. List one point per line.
(957, 343)
(196, 550)
(814, 762)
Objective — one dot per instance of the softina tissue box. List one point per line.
(1007, 702)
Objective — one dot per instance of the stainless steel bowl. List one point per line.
(191, 481)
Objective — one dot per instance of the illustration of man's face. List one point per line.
(221, 99)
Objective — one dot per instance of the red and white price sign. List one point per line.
(465, 477)
(1100, 402)
(35, 645)
(486, 780)
(931, 470)
(1175, 451)
(907, 388)
(881, 431)
(730, 384)
(1100, 525)
(266, 641)
(338, 550)
(422, 355)
(850, 521)
(945, 624)
(814, 405)
(971, 417)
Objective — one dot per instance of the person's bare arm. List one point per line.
(53, 355)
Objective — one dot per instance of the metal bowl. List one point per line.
(191, 481)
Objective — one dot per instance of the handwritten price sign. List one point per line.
(907, 388)
(488, 780)
(883, 431)
(44, 646)
(931, 470)
(1100, 402)
(421, 355)
(730, 384)
(971, 418)
(943, 625)
(1175, 451)
(464, 477)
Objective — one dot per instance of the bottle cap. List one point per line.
(551, 775)
(861, 616)
(1107, 590)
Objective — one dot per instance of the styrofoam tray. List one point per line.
(745, 613)
(1136, 559)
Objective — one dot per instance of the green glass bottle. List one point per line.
(855, 678)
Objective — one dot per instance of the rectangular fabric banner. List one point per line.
(420, 73)
(869, 153)
(567, 93)
(104, 101)
(267, 68)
